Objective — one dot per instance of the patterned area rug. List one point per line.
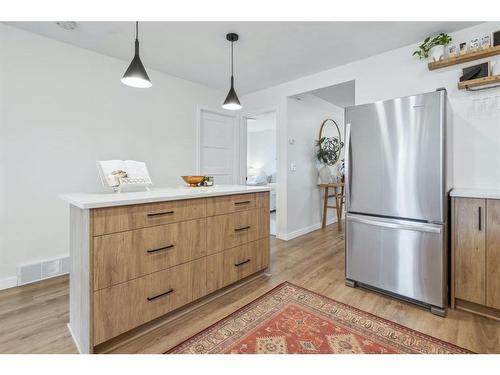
(290, 319)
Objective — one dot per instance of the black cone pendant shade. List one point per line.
(232, 102)
(136, 75)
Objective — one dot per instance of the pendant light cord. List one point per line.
(232, 58)
(137, 38)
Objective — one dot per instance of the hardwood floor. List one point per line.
(33, 318)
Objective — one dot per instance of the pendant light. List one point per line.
(136, 75)
(232, 102)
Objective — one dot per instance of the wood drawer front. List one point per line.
(227, 231)
(125, 306)
(119, 219)
(237, 263)
(124, 256)
(231, 203)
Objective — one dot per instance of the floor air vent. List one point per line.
(29, 273)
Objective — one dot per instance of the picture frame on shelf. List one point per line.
(496, 38)
(486, 42)
(463, 48)
(452, 50)
(474, 44)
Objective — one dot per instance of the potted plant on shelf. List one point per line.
(433, 47)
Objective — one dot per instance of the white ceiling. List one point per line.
(263, 122)
(342, 95)
(268, 53)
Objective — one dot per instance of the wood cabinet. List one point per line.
(493, 253)
(476, 255)
(135, 264)
(470, 250)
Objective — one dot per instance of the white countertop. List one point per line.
(110, 199)
(476, 193)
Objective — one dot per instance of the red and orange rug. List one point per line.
(291, 319)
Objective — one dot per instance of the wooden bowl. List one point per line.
(193, 180)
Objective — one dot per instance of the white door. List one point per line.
(218, 156)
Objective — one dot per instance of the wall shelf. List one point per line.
(466, 57)
(486, 81)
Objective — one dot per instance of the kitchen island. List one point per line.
(138, 259)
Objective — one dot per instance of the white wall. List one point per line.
(62, 108)
(393, 74)
(304, 197)
(261, 150)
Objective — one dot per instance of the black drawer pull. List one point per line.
(242, 228)
(161, 214)
(480, 218)
(160, 249)
(161, 295)
(242, 263)
(244, 202)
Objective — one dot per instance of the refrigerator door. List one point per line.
(395, 158)
(399, 256)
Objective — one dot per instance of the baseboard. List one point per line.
(12, 282)
(475, 308)
(8, 282)
(75, 341)
(300, 232)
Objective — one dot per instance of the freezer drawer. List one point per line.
(402, 257)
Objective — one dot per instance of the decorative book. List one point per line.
(119, 173)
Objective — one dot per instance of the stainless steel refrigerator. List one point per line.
(398, 176)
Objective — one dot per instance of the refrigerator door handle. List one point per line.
(419, 227)
(347, 166)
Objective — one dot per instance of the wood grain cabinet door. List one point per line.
(493, 253)
(470, 250)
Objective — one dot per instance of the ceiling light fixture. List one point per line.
(136, 75)
(232, 102)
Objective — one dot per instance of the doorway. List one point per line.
(306, 112)
(261, 157)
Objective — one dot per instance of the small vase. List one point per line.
(437, 53)
(325, 175)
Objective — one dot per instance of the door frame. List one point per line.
(236, 136)
(243, 158)
(243, 140)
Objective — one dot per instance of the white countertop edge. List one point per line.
(110, 199)
(475, 193)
